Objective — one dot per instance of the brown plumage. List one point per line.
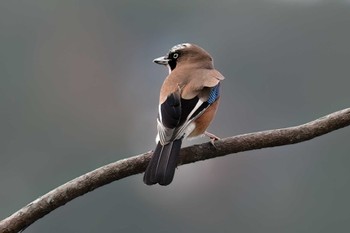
(188, 101)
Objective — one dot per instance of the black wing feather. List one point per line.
(171, 110)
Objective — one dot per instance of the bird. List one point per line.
(188, 102)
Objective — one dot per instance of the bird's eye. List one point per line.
(175, 55)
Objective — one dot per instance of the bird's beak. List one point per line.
(161, 60)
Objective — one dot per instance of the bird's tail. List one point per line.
(163, 163)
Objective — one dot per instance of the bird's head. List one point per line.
(186, 54)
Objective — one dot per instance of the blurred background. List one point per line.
(78, 90)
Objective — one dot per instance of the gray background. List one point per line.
(78, 90)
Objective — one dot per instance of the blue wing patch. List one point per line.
(214, 94)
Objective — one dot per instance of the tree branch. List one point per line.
(137, 164)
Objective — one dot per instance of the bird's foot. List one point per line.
(212, 137)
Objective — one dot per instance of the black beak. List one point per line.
(161, 60)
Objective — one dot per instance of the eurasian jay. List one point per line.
(188, 101)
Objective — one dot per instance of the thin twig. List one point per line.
(137, 164)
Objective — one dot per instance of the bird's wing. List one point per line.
(177, 113)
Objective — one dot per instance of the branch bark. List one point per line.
(137, 164)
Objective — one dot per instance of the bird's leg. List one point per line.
(212, 137)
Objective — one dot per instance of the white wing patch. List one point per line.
(165, 135)
(199, 103)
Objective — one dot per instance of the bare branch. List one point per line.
(137, 164)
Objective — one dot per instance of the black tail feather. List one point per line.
(161, 168)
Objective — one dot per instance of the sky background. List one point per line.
(78, 90)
